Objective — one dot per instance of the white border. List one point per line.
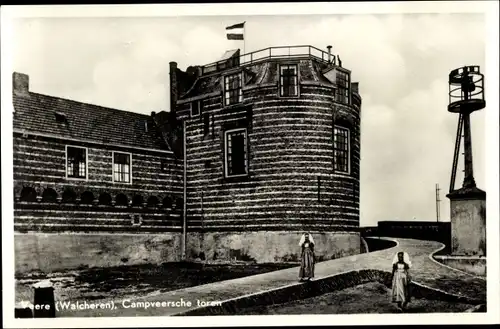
(226, 174)
(489, 8)
(113, 167)
(86, 164)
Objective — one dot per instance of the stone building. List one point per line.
(272, 149)
(255, 150)
(92, 185)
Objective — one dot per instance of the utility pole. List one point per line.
(438, 200)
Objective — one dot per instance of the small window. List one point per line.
(61, 117)
(206, 124)
(232, 89)
(288, 81)
(341, 149)
(236, 152)
(76, 162)
(195, 108)
(136, 220)
(343, 87)
(121, 167)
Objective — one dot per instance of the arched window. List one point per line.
(137, 201)
(105, 199)
(167, 202)
(49, 195)
(69, 196)
(153, 201)
(87, 197)
(121, 200)
(28, 194)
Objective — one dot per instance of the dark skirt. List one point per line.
(307, 264)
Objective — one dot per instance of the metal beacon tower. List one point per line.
(468, 203)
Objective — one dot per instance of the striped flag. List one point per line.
(236, 31)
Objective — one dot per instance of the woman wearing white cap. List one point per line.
(307, 257)
(401, 279)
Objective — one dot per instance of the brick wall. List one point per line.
(47, 201)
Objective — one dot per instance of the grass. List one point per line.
(371, 297)
(137, 280)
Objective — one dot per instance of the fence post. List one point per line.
(44, 303)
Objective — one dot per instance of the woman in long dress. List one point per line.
(401, 279)
(307, 257)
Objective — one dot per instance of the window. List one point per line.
(61, 117)
(232, 89)
(136, 220)
(206, 124)
(196, 108)
(76, 162)
(236, 152)
(288, 80)
(342, 87)
(341, 149)
(121, 167)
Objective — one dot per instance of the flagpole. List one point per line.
(244, 37)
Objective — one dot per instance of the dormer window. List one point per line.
(232, 89)
(289, 81)
(61, 117)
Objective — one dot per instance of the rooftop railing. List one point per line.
(284, 52)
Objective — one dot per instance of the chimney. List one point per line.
(20, 84)
(153, 114)
(174, 94)
(329, 53)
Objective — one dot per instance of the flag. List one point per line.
(236, 31)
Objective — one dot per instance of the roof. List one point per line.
(265, 72)
(43, 114)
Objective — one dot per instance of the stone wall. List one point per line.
(47, 201)
(264, 247)
(55, 252)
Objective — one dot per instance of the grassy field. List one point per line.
(367, 298)
(137, 280)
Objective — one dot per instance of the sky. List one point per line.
(401, 62)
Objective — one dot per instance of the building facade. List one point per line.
(92, 185)
(256, 150)
(272, 145)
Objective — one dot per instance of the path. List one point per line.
(425, 271)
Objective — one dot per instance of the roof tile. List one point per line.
(36, 113)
